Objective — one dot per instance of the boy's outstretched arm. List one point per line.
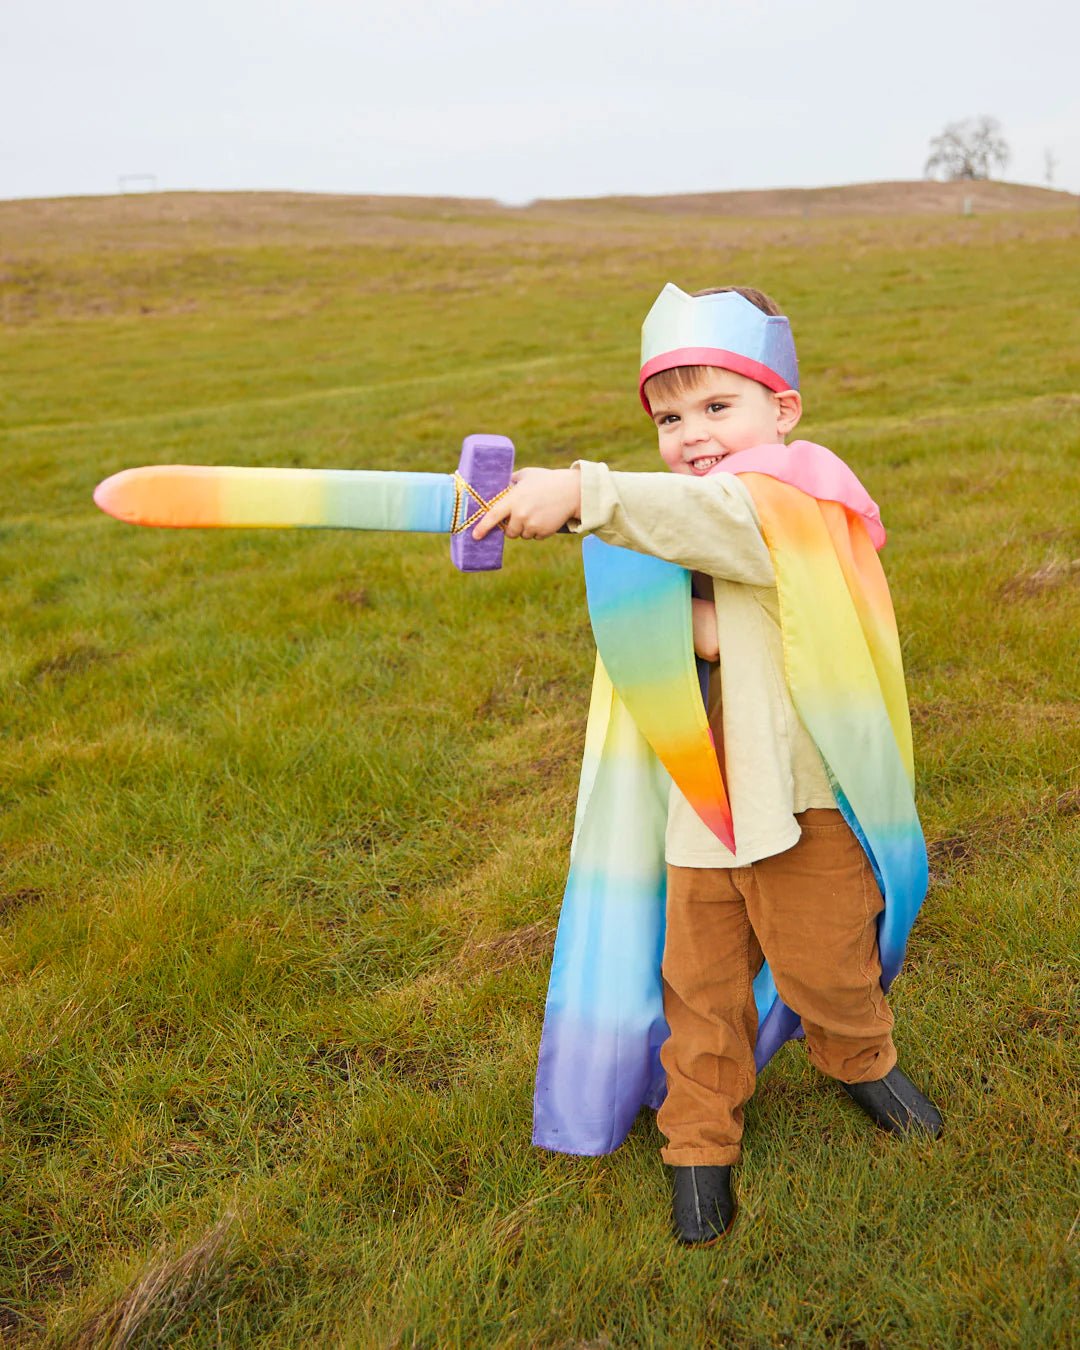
(539, 503)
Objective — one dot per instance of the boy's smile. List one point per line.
(717, 415)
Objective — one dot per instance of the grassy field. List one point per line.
(285, 816)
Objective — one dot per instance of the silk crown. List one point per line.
(725, 330)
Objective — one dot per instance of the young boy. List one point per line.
(719, 380)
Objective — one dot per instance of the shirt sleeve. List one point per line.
(705, 524)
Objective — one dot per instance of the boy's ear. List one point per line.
(789, 410)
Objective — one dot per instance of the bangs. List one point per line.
(673, 383)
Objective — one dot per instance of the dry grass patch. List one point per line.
(170, 1290)
(985, 837)
(1048, 577)
(13, 901)
(71, 661)
(531, 945)
(355, 597)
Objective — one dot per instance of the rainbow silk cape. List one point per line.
(604, 1022)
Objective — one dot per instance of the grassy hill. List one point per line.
(285, 816)
(918, 197)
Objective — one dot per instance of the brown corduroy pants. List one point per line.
(811, 913)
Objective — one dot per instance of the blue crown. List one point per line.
(724, 330)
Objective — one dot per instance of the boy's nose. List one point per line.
(694, 432)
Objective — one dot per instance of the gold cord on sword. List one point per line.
(459, 522)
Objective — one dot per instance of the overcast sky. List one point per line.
(523, 100)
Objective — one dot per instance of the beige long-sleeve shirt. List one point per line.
(772, 767)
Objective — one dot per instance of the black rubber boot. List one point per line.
(897, 1105)
(703, 1205)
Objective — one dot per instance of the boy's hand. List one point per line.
(706, 638)
(539, 503)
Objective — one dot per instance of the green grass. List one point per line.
(285, 816)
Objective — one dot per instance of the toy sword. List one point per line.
(179, 496)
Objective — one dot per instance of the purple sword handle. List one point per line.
(483, 474)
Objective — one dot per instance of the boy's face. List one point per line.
(722, 413)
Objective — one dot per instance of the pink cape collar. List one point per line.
(814, 470)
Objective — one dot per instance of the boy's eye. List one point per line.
(717, 407)
(668, 419)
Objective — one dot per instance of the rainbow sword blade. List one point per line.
(186, 496)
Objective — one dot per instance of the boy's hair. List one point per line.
(667, 384)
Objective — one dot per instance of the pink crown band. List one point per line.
(710, 356)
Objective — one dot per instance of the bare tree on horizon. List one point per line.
(967, 150)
